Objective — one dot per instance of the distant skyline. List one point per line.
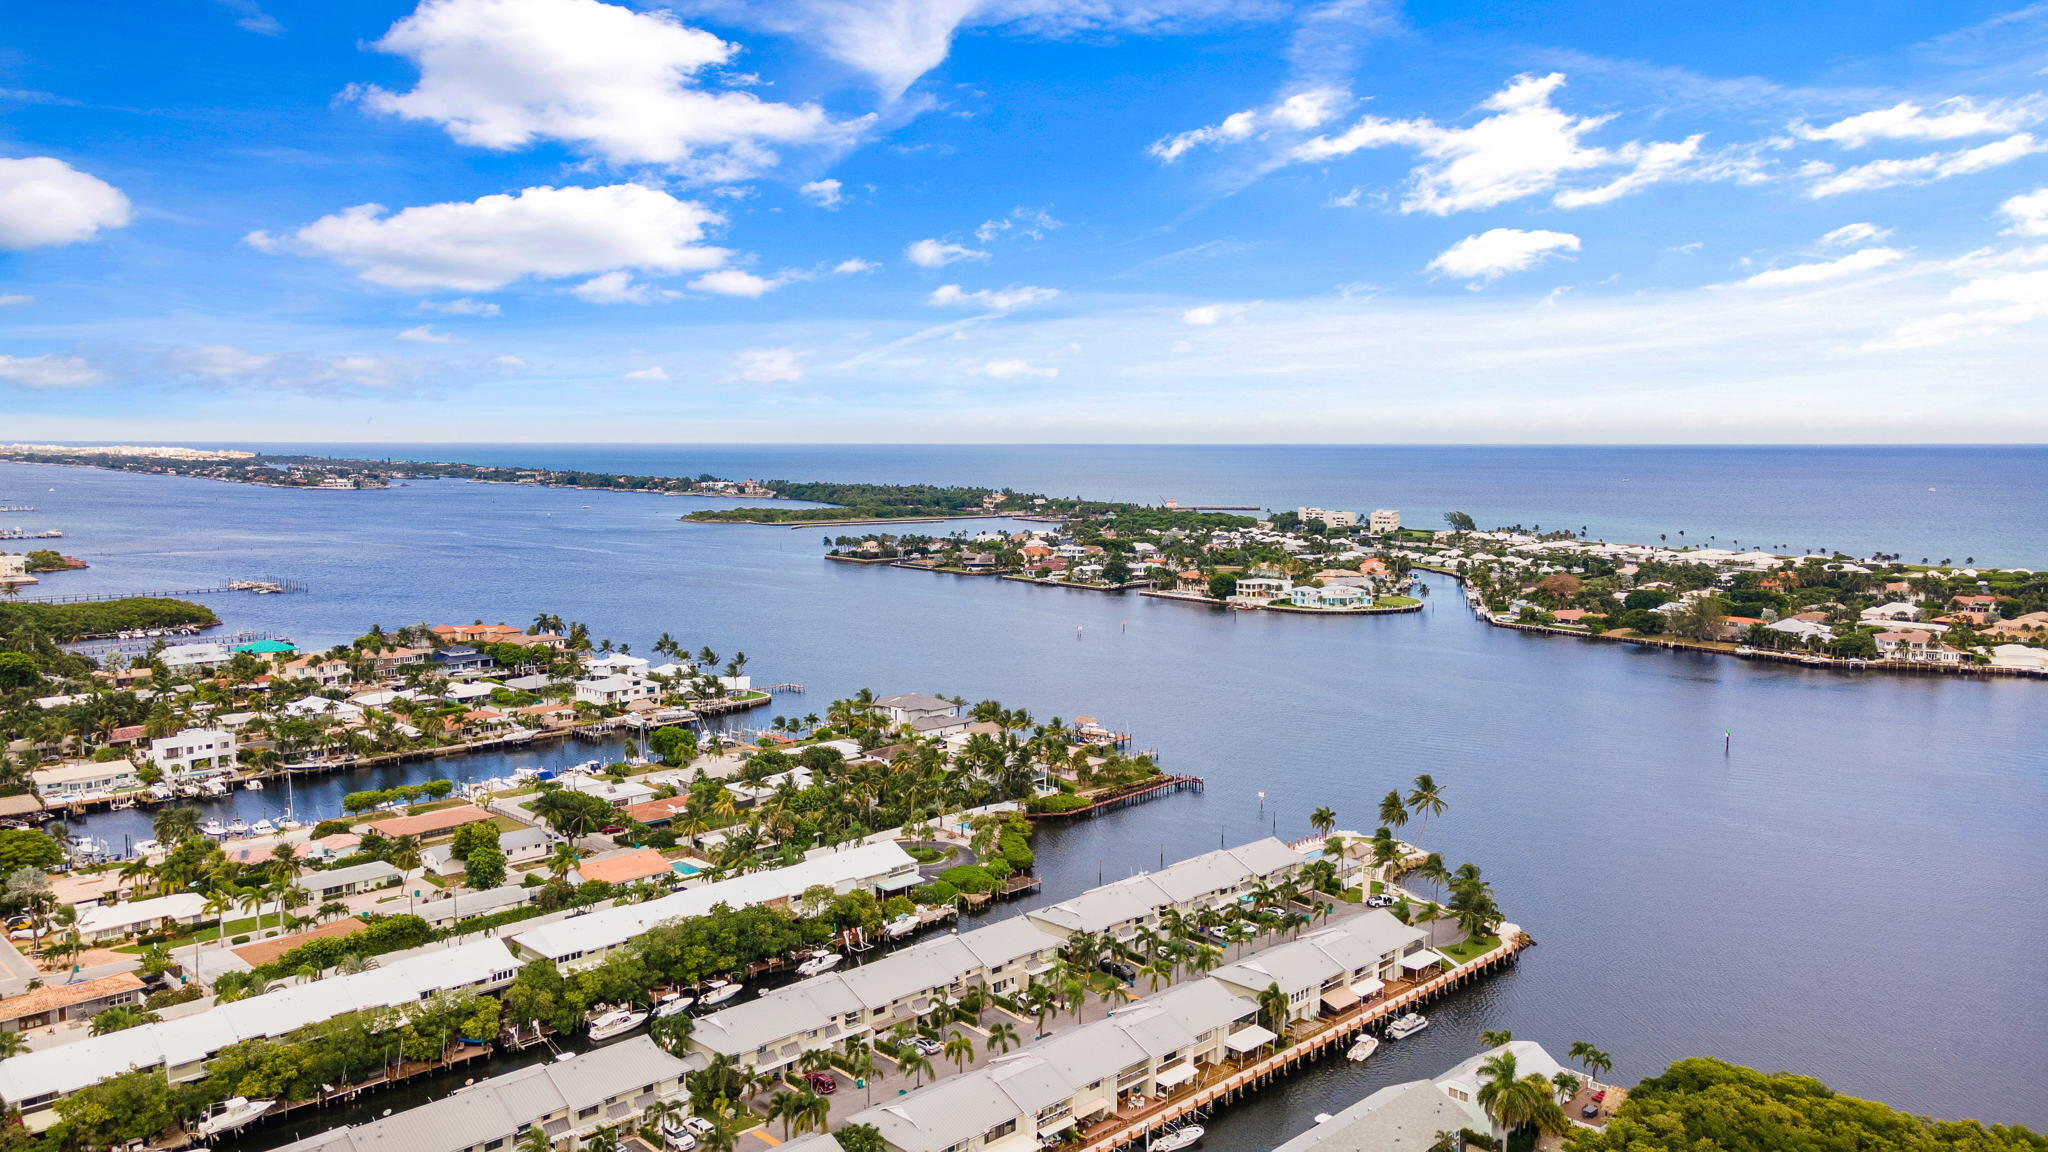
(1019, 221)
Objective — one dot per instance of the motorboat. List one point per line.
(211, 826)
(238, 827)
(252, 784)
(1407, 1024)
(673, 1004)
(214, 788)
(1174, 1139)
(231, 1114)
(820, 963)
(86, 846)
(901, 926)
(1363, 1050)
(161, 791)
(147, 848)
(289, 823)
(615, 1023)
(719, 991)
(263, 828)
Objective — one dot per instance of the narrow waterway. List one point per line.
(1850, 890)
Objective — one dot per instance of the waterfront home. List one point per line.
(111, 923)
(184, 657)
(1260, 589)
(476, 633)
(1329, 516)
(84, 779)
(909, 707)
(195, 751)
(2020, 656)
(1406, 1117)
(336, 883)
(613, 664)
(1220, 878)
(584, 940)
(461, 660)
(388, 660)
(308, 706)
(2029, 625)
(1335, 968)
(181, 1047)
(1804, 631)
(616, 691)
(1919, 647)
(54, 1004)
(425, 824)
(617, 794)
(1383, 520)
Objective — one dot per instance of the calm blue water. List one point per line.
(1853, 891)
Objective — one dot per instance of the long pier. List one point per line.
(1151, 792)
(1336, 1030)
(263, 587)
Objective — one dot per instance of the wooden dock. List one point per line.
(1334, 1031)
(1138, 796)
(262, 587)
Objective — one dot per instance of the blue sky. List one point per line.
(1024, 220)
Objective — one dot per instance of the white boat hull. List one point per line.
(1177, 1139)
(720, 995)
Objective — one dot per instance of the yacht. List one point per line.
(1407, 1024)
(673, 1004)
(901, 926)
(1174, 1139)
(231, 1114)
(262, 828)
(819, 963)
(86, 846)
(147, 848)
(614, 1023)
(1363, 1050)
(719, 991)
(211, 826)
(238, 827)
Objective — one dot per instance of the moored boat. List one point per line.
(823, 962)
(615, 1023)
(1363, 1050)
(1407, 1024)
(231, 1114)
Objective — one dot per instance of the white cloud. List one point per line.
(1302, 111)
(1986, 306)
(853, 266)
(1822, 271)
(253, 17)
(318, 375)
(49, 371)
(1210, 315)
(217, 361)
(1494, 253)
(734, 282)
(485, 244)
(1032, 223)
(939, 253)
(823, 193)
(1525, 146)
(1851, 234)
(1927, 169)
(1950, 119)
(768, 366)
(1015, 370)
(618, 288)
(15, 299)
(994, 299)
(657, 372)
(424, 334)
(1346, 199)
(604, 79)
(461, 306)
(45, 202)
(508, 362)
(2028, 213)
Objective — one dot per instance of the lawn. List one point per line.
(1396, 602)
(1470, 949)
(208, 935)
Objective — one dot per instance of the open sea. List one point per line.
(1853, 889)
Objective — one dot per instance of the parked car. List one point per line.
(612, 829)
(1117, 968)
(1382, 900)
(823, 1083)
(676, 1134)
(699, 1125)
(926, 1045)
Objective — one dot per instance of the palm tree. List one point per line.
(1447, 1141)
(1494, 1038)
(1515, 1101)
(564, 858)
(1002, 1036)
(1322, 820)
(1273, 1011)
(1596, 1062)
(914, 1062)
(173, 826)
(1567, 1085)
(12, 1044)
(960, 1050)
(1426, 799)
(1392, 812)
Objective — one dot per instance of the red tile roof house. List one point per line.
(1570, 615)
(625, 867)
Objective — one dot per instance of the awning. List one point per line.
(1368, 986)
(1256, 1036)
(1177, 1075)
(897, 883)
(1339, 998)
(1425, 958)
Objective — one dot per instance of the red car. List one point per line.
(612, 829)
(823, 1083)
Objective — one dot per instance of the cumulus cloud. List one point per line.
(1210, 315)
(657, 372)
(424, 334)
(1300, 112)
(1823, 271)
(993, 299)
(939, 253)
(485, 244)
(823, 193)
(734, 282)
(1015, 370)
(460, 306)
(615, 83)
(1496, 252)
(1850, 234)
(768, 366)
(1928, 168)
(1030, 223)
(854, 266)
(619, 288)
(1524, 146)
(2027, 214)
(49, 371)
(45, 202)
(1985, 306)
(1951, 119)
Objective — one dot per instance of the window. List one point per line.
(1001, 1130)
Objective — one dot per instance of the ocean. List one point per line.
(1851, 889)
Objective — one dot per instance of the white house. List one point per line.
(616, 690)
(178, 657)
(909, 707)
(615, 664)
(80, 779)
(194, 751)
(1383, 521)
(1329, 516)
